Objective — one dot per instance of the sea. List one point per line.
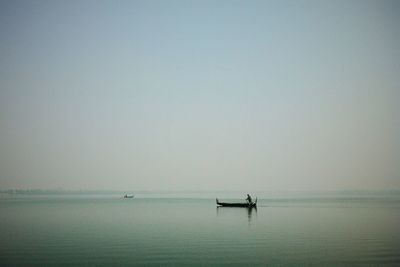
(188, 229)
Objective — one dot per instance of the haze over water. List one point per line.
(181, 101)
(200, 95)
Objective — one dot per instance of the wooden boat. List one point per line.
(243, 205)
(128, 196)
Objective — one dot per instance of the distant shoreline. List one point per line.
(268, 192)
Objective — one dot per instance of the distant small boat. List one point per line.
(243, 205)
(128, 196)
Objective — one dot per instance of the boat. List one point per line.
(243, 205)
(128, 196)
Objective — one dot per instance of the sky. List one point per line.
(200, 95)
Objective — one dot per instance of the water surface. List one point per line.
(106, 230)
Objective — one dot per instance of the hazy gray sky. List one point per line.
(266, 95)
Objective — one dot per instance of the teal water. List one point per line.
(82, 230)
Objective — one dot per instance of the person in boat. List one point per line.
(249, 200)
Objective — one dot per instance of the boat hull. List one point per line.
(239, 205)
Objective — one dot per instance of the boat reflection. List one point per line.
(229, 211)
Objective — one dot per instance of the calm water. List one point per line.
(166, 231)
